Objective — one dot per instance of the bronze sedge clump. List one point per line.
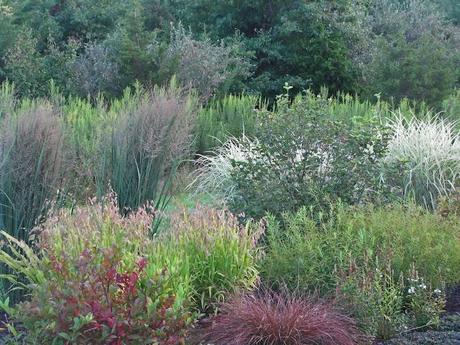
(280, 319)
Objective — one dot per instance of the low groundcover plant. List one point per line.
(274, 319)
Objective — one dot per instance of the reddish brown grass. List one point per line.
(276, 319)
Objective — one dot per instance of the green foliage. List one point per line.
(149, 136)
(33, 160)
(306, 157)
(91, 282)
(413, 51)
(133, 49)
(299, 42)
(94, 72)
(376, 299)
(367, 256)
(305, 256)
(205, 66)
(348, 46)
(229, 117)
(451, 106)
(95, 275)
(429, 69)
(24, 66)
(221, 254)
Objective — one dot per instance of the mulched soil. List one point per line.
(453, 300)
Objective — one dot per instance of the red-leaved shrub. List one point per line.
(98, 300)
(277, 319)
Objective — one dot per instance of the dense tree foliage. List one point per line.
(397, 48)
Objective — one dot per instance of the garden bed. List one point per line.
(448, 333)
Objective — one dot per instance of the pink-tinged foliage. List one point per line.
(126, 305)
(276, 319)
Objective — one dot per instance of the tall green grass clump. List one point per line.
(451, 107)
(7, 99)
(149, 134)
(222, 255)
(305, 255)
(221, 119)
(33, 164)
(85, 123)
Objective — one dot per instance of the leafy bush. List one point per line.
(272, 318)
(203, 65)
(424, 156)
(306, 157)
(413, 51)
(371, 254)
(100, 277)
(94, 72)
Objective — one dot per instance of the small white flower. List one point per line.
(422, 286)
(437, 292)
(411, 290)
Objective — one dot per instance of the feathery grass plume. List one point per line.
(214, 172)
(150, 135)
(32, 166)
(425, 154)
(275, 319)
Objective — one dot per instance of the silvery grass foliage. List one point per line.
(425, 154)
(214, 172)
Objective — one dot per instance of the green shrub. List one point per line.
(95, 275)
(305, 255)
(412, 52)
(368, 256)
(204, 65)
(304, 156)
